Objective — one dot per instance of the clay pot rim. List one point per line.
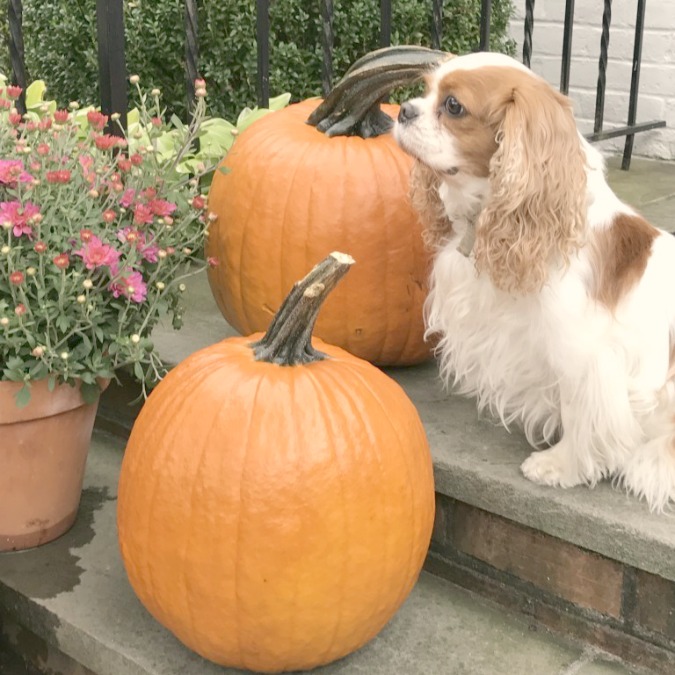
(43, 403)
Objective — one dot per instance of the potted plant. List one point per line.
(97, 234)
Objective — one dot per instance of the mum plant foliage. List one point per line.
(97, 234)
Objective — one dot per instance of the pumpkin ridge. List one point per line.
(237, 539)
(403, 349)
(153, 434)
(385, 268)
(339, 385)
(258, 132)
(198, 479)
(403, 593)
(290, 193)
(345, 561)
(152, 489)
(242, 251)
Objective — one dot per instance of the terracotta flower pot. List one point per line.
(43, 452)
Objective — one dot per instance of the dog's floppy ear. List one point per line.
(537, 207)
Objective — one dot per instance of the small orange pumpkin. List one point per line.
(276, 496)
(291, 191)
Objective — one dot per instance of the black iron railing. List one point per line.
(112, 66)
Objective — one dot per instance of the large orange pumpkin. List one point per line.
(276, 498)
(288, 194)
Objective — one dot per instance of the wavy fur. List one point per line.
(557, 322)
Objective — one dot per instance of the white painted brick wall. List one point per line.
(657, 76)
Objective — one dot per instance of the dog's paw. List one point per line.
(550, 467)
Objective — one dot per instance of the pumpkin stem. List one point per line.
(352, 108)
(288, 340)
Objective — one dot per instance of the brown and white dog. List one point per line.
(560, 314)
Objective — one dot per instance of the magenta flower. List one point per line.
(149, 252)
(95, 254)
(130, 286)
(18, 217)
(127, 199)
(142, 214)
(12, 170)
(161, 208)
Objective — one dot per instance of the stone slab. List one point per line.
(73, 593)
(648, 181)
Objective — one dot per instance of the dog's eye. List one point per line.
(453, 107)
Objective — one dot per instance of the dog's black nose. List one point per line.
(407, 112)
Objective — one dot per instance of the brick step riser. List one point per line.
(572, 591)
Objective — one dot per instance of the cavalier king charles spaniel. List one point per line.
(552, 301)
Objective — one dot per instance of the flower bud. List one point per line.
(64, 356)
(38, 352)
(160, 284)
(134, 79)
(135, 338)
(88, 283)
(82, 299)
(4, 321)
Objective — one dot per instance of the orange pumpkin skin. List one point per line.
(274, 518)
(290, 196)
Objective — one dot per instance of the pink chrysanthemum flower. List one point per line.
(129, 235)
(96, 253)
(12, 170)
(18, 217)
(161, 207)
(127, 199)
(131, 286)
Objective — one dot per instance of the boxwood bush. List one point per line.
(60, 41)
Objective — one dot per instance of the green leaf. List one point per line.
(133, 117)
(279, 102)
(138, 371)
(252, 116)
(22, 398)
(176, 121)
(51, 383)
(35, 93)
(90, 392)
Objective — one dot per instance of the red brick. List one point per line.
(655, 603)
(554, 565)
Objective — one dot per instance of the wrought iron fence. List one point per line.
(112, 66)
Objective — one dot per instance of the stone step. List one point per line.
(67, 607)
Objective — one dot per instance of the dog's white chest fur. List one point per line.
(491, 346)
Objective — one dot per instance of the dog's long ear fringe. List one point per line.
(536, 215)
(424, 184)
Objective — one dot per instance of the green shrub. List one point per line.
(60, 39)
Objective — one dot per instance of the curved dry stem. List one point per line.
(288, 341)
(352, 108)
